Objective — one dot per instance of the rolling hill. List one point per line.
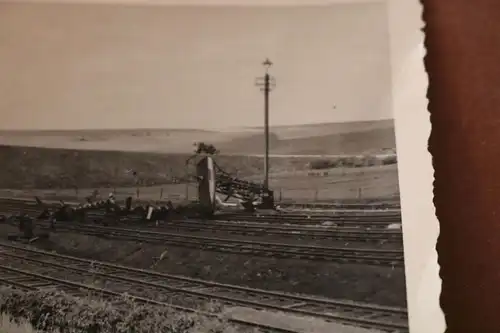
(314, 139)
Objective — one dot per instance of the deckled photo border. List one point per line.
(416, 173)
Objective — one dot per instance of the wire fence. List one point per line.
(293, 186)
(189, 192)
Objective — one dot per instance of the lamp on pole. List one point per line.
(267, 83)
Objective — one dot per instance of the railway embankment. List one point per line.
(358, 282)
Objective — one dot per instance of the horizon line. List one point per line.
(186, 128)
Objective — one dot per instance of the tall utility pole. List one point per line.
(266, 83)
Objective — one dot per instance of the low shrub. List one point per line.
(387, 160)
(352, 162)
(56, 311)
(320, 164)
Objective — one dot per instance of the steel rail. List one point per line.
(291, 220)
(327, 232)
(366, 220)
(32, 281)
(341, 233)
(392, 258)
(364, 315)
(336, 210)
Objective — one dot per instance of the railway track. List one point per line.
(328, 206)
(351, 229)
(379, 204)
(309, 207)
(264, 229)
(346, 204)
(361, 220)
(29, 268)
(393, 258)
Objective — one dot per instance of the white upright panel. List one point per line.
(150, 213)
(211, 179)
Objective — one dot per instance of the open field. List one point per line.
(315, 139)
(85, 170)
(370, 182)
(86, 160)
(60, 168)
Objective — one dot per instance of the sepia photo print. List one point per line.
(171, 168)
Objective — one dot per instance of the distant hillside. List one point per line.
(322, 139)
(315, 139)
(328, 128)
(29, 167)
(348, 143)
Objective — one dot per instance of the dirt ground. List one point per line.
(379, 285)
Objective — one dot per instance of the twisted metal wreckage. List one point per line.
(211, 180)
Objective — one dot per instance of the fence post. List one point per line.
(76, 191)
(281, 194)
(316, 195)
(161, 193)
(137, 193)
(359, 192)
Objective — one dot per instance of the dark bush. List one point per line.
(351, 162)
(52, 310)
(388, 160)
(320, 164)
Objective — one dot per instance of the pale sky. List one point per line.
(114, 66)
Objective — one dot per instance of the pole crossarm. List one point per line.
(261, 82)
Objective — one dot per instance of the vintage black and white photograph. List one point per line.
(199, 169)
